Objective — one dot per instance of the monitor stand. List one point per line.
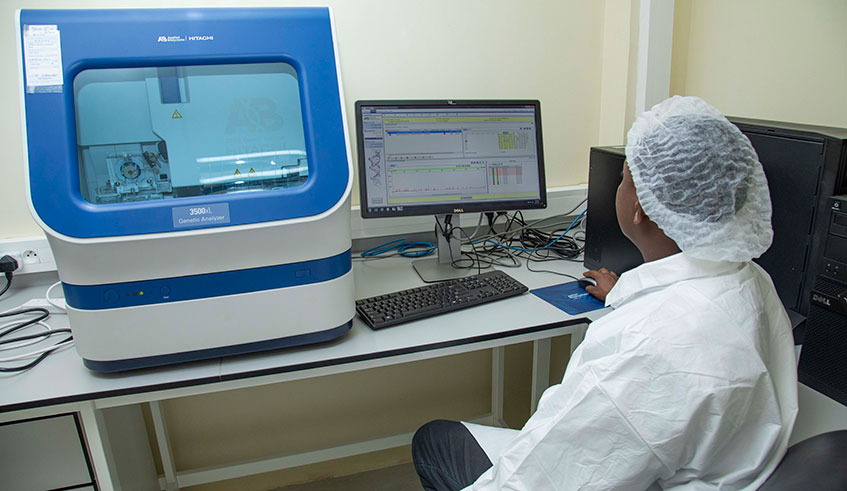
(441, 268)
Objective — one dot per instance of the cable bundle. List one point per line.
(539, 241)
(12, 336)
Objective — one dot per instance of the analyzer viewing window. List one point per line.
(156, 133)
(432, 156)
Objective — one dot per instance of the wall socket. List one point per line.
(32, 253)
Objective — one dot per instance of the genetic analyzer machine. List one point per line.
(192, 172)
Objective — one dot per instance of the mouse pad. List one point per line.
(569, 297)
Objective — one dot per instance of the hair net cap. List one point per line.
(698, 178)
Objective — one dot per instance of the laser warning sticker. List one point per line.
(42, 59)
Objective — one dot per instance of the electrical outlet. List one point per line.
(30, 257)
(32, 253)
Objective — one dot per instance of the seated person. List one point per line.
(690, 382)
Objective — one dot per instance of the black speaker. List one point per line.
(823, 359)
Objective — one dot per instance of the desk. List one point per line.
(62, 384)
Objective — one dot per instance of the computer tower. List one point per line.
(605, 245)
(804, 165)
(823, 359)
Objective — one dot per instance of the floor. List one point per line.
(397, 478)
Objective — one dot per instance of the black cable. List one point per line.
(539, 243)
(491, 219)
(45, 334)
(8, 265)
(41, 357)
(446, 232)
(8, 283)
(532, 242)
(549, 271)
(42, 315)
(473, 247)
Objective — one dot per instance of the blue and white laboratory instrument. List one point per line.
(191, 170)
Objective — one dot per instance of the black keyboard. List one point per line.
(439, 298)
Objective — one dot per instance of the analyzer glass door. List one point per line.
(167, 132)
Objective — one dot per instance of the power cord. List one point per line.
(34, 313)
(58, 303)
(19, 341)
(8, 265)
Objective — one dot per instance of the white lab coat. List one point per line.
(690, 383)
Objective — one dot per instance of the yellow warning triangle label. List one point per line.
(252, 170)
(176, 114)
(237, 172)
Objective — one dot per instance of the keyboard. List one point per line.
(438, 298)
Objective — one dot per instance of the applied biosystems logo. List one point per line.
(181, 39)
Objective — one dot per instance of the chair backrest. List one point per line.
(818, 463)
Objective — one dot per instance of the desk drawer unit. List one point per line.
(44, 453)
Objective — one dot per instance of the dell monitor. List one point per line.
(445, 157)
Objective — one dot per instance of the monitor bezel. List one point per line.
(448, 208)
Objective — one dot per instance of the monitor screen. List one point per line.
(442, 157)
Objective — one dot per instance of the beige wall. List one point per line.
(770, 59)
(537, 49)
(615, 79)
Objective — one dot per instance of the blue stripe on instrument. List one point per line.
(204, 354)
(178, 289)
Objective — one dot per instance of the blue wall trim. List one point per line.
(152, 361)
(166, 290)
(301, 37)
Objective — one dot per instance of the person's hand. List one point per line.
(605, 281)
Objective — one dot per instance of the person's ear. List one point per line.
(639, 215)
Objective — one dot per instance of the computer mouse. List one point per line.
(586, 281)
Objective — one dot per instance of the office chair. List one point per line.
(818, 463)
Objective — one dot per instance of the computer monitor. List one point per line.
(445, 157)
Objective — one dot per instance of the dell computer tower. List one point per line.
(823, 359)
(805, 165)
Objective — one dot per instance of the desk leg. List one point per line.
(577, 336)
(164, 442)
(540, 371)
(98, 445)
(498, 357)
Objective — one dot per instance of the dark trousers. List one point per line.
(446, 456)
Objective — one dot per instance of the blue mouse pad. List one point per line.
(569, 297)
